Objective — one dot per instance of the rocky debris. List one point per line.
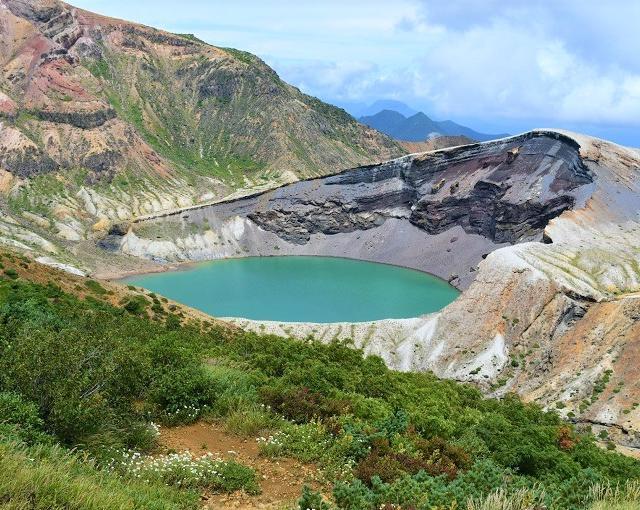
(298, 226)
(8, 107)
(437, 186)
(101, 161)
(20, 156)
(119, 229)
(111, 241)
(27, 162)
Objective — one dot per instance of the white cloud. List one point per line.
(523, 61)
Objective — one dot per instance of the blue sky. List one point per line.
(497, 66)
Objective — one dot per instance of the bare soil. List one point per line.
(281, 480)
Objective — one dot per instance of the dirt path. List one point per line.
(281, 480)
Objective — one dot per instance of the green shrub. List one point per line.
(11, 273)
(85, 366)
(95, 287)
(311, 499)
(136, 305)
(302, 405)
(95, 375)
(19, 418)
(183, 394)
(307, 442)
(435, 456)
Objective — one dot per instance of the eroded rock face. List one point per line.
(21, 156)
(485, 189)
(440, 212)
(80, 119)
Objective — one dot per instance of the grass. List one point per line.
(52, 478)
(95, 287)
(522, 499)
(619, 497)
(251, 421)
(98, 68)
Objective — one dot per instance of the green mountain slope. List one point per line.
(94, 365)
(102, 120)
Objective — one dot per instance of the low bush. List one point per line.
(301, 404)
(136, 305)
(95, 287)
(11, 273)
(251, 420)
(183, 394)
(20, 419)
(235, 389)
(435, 457)
(184, 470)
(307, 442)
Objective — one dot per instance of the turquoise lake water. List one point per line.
(302, 289)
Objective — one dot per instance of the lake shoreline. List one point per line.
(300, 289)
(120, 276)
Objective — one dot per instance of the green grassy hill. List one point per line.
(88, 374)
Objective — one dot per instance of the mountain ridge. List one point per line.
(103, 119)
(419, 127)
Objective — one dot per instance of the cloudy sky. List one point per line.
(496, 65)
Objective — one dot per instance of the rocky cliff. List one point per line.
(102, 120)
(541, 231)
(440, 211)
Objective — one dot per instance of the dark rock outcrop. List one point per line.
(80, 119)
(506, 191)
(35, 11)
(26, 162)
(101, 162)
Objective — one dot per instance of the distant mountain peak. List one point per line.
(420, 127)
